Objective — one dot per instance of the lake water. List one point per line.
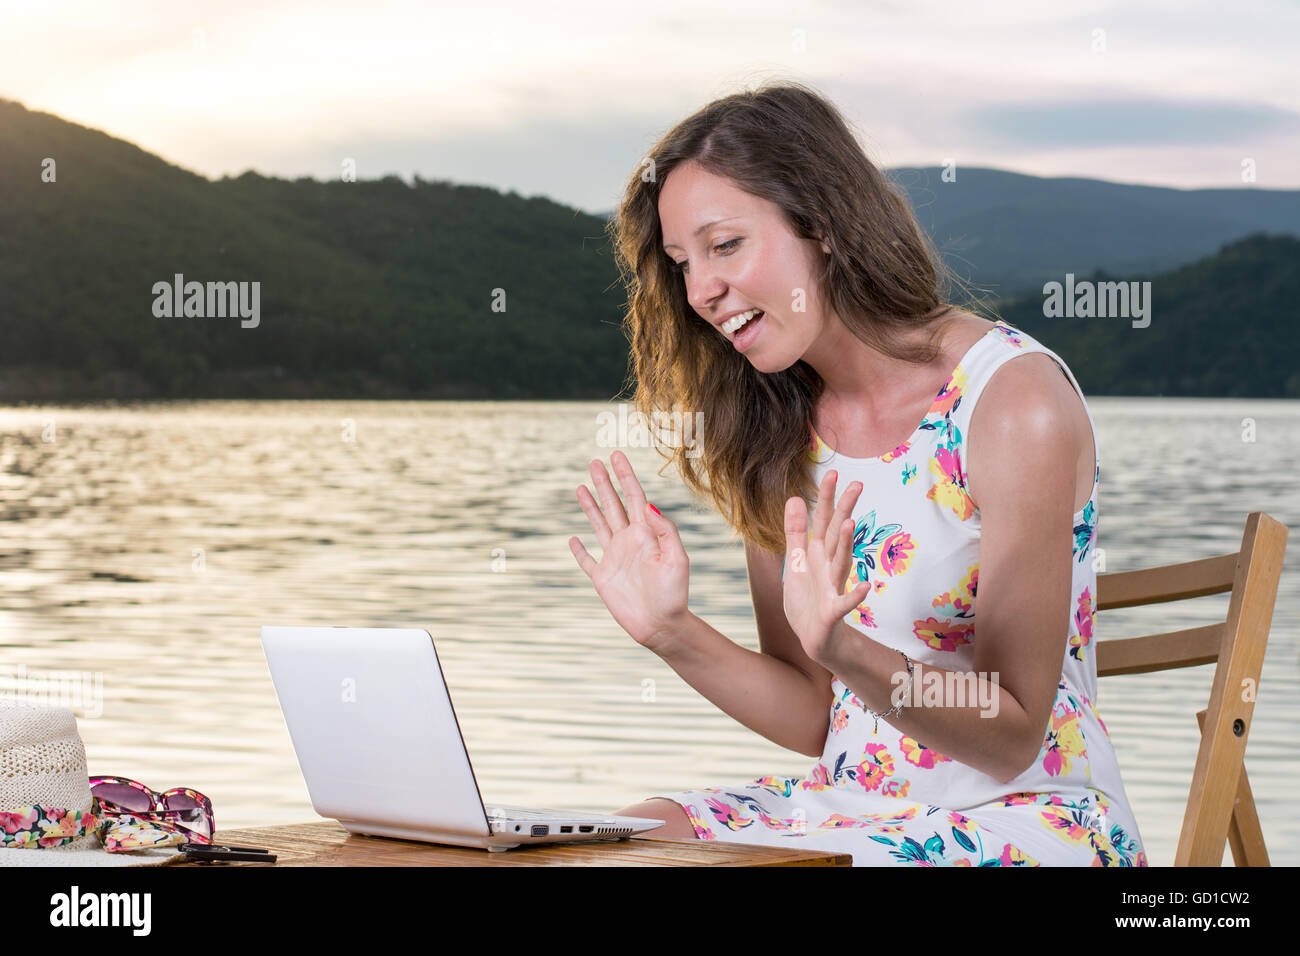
(148, 544)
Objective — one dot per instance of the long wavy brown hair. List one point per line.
(788, 144)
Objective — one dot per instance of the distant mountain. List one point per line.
(1216, 328)
(366, 288)
(1010, 232)
(386, 289)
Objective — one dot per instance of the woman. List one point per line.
(778, 285)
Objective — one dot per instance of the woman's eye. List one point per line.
(729, 244)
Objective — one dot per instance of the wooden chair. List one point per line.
(1220, 807)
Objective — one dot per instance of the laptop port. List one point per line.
(566, 829)
(540, 829)
(585, 828)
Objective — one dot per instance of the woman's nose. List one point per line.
(702, 290)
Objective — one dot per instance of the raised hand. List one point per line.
(816, 567)
(643, 573)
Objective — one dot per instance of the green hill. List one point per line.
(1215, 328)
(367, 288)
(1010, 233)
(386, 289)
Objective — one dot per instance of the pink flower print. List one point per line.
(1019, 799)
(1064, 741)
(19, 821)
(779, 785)
(1012, 857)
(1085, 615)
(965, 824)
(818, 450)
(840, 719)
(877, 765)
(944, 635)
(837, 821)
(897, 452)
(920, 755)
(865, 616)
(1064, 821)
(1092, 707)
(1010, 335)
(702, 829)
(819, 779)
(895, 787)
(960, 601)
(896, 553)
(952, 391)
(950, 490)
(880, 822)
(726, 814)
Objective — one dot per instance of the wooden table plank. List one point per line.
(327, 843)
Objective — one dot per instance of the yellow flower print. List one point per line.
(896, 787)
(1013, 857)
(1064, 741)
(728, 815)
(819, 779)
(896, 553)
(897, 452)
(1065, 823)
(944, 635)
(950, 490)
(876, 768)
(881, 822)
(920, 755)
(960, 601)
(702, 829)
(952, 390)
(1085, 616)
(818, 450)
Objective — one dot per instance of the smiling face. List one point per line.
(737, 252)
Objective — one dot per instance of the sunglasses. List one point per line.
(179, 809)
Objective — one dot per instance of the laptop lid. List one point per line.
(373, 727)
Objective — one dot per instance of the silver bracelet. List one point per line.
(897, 707)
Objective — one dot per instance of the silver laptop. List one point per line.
(381, 750)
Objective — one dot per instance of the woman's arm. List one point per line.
(1028, 445)
(780, 693)
(643, 578)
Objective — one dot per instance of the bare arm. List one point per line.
(642, 577)
(780, 693)
(1025, 455)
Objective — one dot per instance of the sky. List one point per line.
(563, 98)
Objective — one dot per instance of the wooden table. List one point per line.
(326, 843)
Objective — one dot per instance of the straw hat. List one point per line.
(43, 762)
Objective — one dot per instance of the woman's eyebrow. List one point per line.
(670, 245)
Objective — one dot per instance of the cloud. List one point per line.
(1126, 122)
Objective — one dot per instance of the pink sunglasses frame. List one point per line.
(158, 810)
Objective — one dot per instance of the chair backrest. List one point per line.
(1220, 808)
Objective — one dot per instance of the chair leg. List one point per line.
(1245, 837)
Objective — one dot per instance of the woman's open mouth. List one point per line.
(745, 336)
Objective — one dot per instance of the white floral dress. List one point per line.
(884, 797)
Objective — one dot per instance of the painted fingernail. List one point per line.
(656, 510)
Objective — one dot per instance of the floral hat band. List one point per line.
(39, 827)
(54, 813)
